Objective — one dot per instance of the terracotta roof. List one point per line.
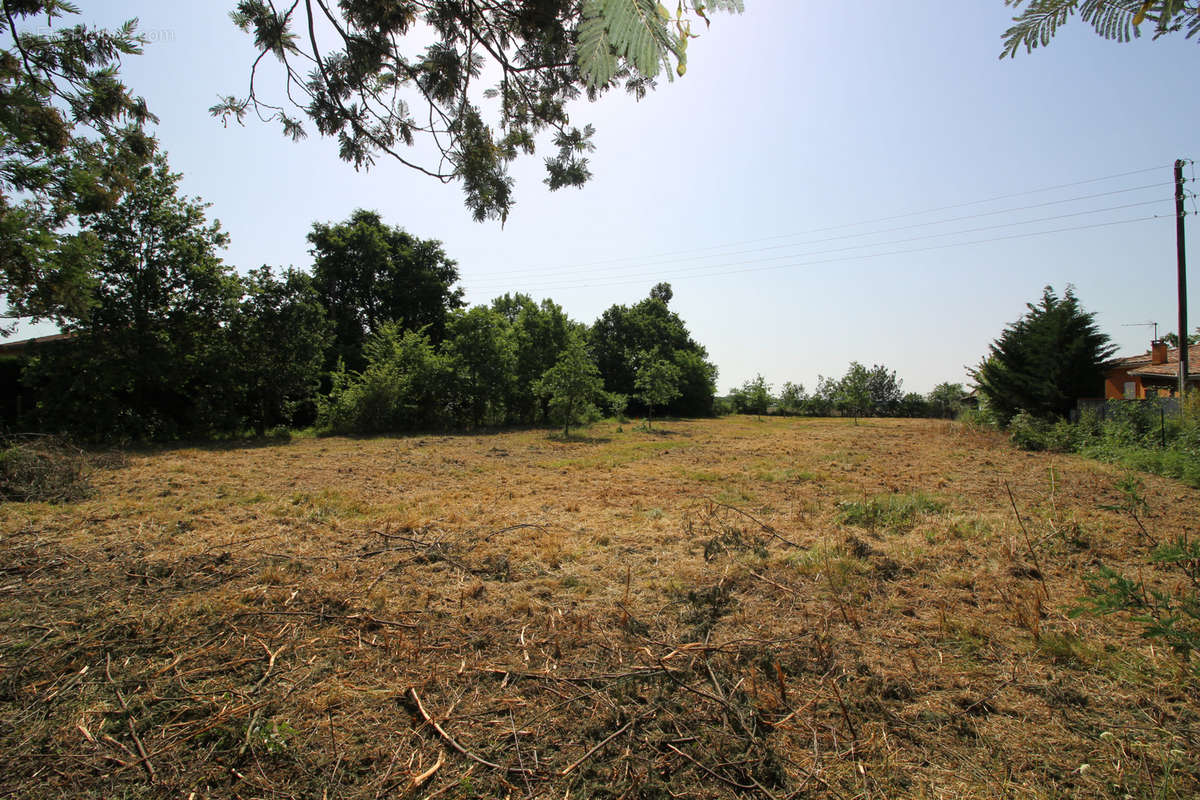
(1141, 363)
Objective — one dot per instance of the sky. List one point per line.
(830, 182)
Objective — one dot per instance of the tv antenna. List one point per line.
(1142, 325)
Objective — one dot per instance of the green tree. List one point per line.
(792, 397)
(368, 273)
(946, 399)
(540, 334)
(1172, 339)
(572, 385)
(407, 384)
(883, 391)
(1045, 361)
(622, 332)
(354, 69)
(1118, 20)
(152, 359)
(279, 336)
(71, 142)
(753, 398)
(657, 382)
(853, 396)
(479, 343)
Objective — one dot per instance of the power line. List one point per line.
(683, 271)
(642, 279)
(516, 274)
(858, 223)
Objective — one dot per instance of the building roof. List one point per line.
(1140, 365)
(22, 345)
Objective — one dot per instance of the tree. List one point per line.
(753, 398)
(71, 142)
(1172, 339)
(853, 395)
(1045, 361)
(622, 332)
(945, 399)
(657, 382)
(1118, 20)
(572, 384)
(368, 273)
(792, 397)
(152, 359)
(355, 69)
(479, 344)
(883, 391)
(279, 337)
(407, 384)
(540, 334)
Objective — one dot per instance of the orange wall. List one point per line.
(1114, 385)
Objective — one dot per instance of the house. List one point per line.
(1152, 374)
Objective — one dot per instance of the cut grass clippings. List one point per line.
(515, 615)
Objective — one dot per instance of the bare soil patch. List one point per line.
(737, 607)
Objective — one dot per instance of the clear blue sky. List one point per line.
(768, 185)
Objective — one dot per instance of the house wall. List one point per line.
(1114, 385)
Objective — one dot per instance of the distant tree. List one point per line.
(622, 332)
(572, 385)
(853, 396)
(1172, 339)
(379, 76)
(479, 344)
(945, 399)
(279, 337)
(912, 405)
(1045, 361)
(792, 397)
(368, 273)
(1118, 20)
(657, 382)
(883, 389)
(71, 143)
(152, 359)
(753, 398)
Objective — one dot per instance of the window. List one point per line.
(1130, 390)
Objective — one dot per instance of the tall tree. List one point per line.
(379, 75)
(480, 345)
(279, 335)
(1118, 20)
(540, 334)
(1046, 360)
(368, 273)
(71, 139)
(622, 332)
(153, 358)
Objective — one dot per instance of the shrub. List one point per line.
(1028, 432)
(42, 469)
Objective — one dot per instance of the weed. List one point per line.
(893, 512)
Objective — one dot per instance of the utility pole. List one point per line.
(1179, 247)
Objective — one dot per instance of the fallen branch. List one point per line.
(448, 739)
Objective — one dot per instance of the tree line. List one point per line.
(860, 392)
(175, 343)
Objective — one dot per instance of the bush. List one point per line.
(1028, 432)
(43, 469)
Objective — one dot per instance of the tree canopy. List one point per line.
(386, 76)
(1118, 20)
(367, 273)
(71, 142)
(1046, 360)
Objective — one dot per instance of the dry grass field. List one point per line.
(776, 608)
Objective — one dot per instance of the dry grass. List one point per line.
(780, 608)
